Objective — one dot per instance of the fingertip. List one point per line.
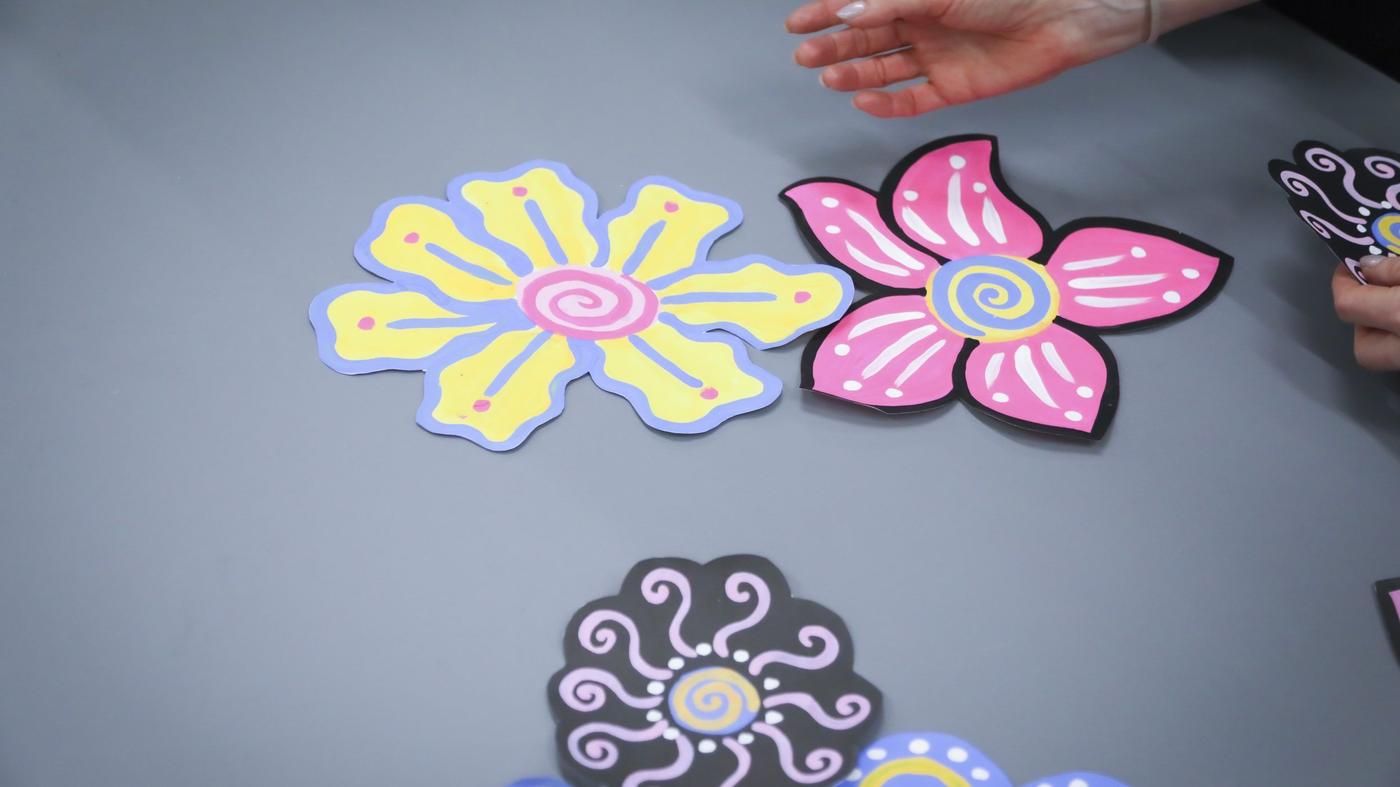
(805, 54)
(871, 102)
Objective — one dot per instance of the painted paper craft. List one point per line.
(514, 286)
(977, 298)
(932, 759)
(1388, 595)
(1350, 199)
(705, 675)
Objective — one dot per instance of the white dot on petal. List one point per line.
(655, 687)
(830, 202)
(676, 663)
(1074, 415)
(746, 738)
(957, 754)
(832, 229)
(773, 717)
(1045, 784)
(1375, 249)
(918, 746)
(741, 656)
(842, 349)
(855, 775)
(1171, 296)
(1364, 211)
(1361, 228)
(704, 649)
(770, 683)
(851, 385)
(1000, 398)
(671, 734)
(1084, 391)
(893, 393)
(653, 715)
(980, 188)
(911, 195)
(958, 162)
(1078, 783)
(876, 754)
(1138, 251)
(706, 746)
(1191, 273)
(1386, 205)
(981, 774)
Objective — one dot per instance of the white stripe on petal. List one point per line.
(957, 216)
(920, 227)
(1097, 262)
(883, 267)
(866, 326)
(993, 369)
(1052, 356)
(884, 243)
(1025, 367)
(918, 362)
(1112, 282)
(892, 352)
(991, 219)
(1099, 302)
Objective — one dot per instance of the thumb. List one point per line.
(1384, 271)
(877, 13)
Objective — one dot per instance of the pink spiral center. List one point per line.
(587, 303)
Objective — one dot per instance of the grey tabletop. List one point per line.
(223, 564)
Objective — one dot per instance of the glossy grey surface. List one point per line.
(223, 564)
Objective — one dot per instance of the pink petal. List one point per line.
(1056, 381)
(843, 220)
(1118, 277)
(952, 200)
(889, 353)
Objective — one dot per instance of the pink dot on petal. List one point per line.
(365, 323)
(520, 191)
(802, 296)
(671, 207)
(709, 393)
(481, 405)
(411, 237)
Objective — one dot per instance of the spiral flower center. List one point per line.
(993, 298)
(1386, 230)
(714, 701)
(587, 303)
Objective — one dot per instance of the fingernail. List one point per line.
(852, 10)
(1370, 260)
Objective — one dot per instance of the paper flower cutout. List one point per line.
(937, 760)
(1351, 199)
(701, 676)
(514, 286)
(978, 299)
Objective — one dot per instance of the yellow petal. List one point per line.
(667, 228)
(681, 384)
(369, 329)
(767, 303)
(545, 213)
(496, 397)
(416, 240)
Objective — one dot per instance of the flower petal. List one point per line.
(1056, 381)
(496, 397)
(683, 382)
(664, 227)
(950, 198)
(842, 222)
(540, 208)
(370, 328)
(943, 758)
(1080, 779)
(1132, 274)
(764, 302)
(889, 353)
(421, 244)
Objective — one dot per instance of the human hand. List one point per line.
(967, 50)
(1374, 309)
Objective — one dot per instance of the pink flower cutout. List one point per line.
(977, 298)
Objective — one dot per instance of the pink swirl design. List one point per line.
(1388, 168)
(599, 640)
(822, 764)
(601, 754)
(851, 709)
(1303, 186)
(587, 303)
(1325, 160)
(734, 589)
(685, 755)
(1327, 229)
(586, 689)
(807, 636)
(742, 762)
(654, 590)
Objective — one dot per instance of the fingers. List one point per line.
(846, 45)
(1377, 350)
(1384, 271)
(875, 72)
(821, 14)
(908, 102)
(1372, 306)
